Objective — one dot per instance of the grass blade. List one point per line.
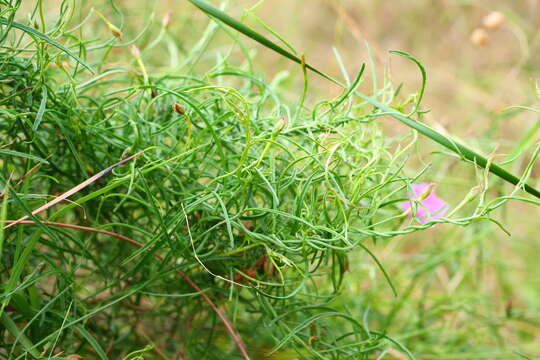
(226, 322)
(92, 341)
(464, 152)
(41, 110)
(16, 332)
(238, 26)
(23, 155)
(40, 35)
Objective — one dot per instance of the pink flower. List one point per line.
(429, 206)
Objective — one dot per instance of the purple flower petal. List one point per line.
(430, 208)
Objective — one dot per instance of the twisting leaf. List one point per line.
(464, 152)
(56, 44)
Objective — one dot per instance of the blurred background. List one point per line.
(465, 293)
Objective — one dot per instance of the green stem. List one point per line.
(463, 151)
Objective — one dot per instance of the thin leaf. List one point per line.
(40, 35)
(23, 155)
(424, 77)
(226, 322)
(464, 152)
(235, 24)
(41, 110)
(95, 345)
(17, 333)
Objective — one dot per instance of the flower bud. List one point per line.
(281, 124)
(117, 33)
(479, 37)
(493, 20)
(179, 109)
(427, 191)
(135, 51)
(166, 19)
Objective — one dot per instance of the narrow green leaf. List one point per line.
(40, 35)
(17, 333)
(41, 110)
(92, 341)
(464, 152)
(422, 72)
(23, 155)
(238, 26)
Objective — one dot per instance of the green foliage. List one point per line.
(464, 152)
(256, 198)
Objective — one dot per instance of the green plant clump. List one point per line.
(225, 233)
